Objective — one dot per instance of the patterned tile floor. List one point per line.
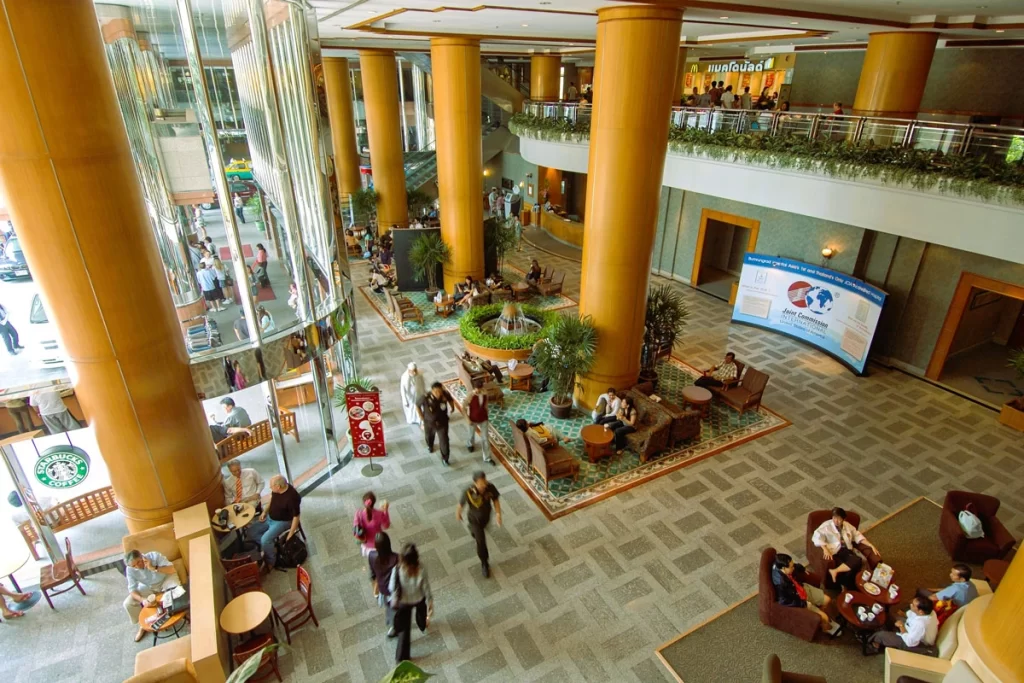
(435, 324)
(586, 597)
(724, 428)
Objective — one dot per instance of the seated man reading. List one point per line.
(919, 630)
(607, 406)
(792, 593)
(148, 574)
(839, 541)
(960, 592)
(718, 375)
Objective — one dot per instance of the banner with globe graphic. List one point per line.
(831, 310)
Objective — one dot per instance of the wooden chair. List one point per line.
(403, 309)
(552, 286)
(268, 662)
(53, 575)
(745, 395)
(236, 562)
(522, 446)
(244, 579)
(797, 621)
(259, 434)
(553, 462)
(295, 608)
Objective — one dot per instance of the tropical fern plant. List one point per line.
(427, 253)
(364, 204)
(664, 322)
(567, 353)
(418, 202)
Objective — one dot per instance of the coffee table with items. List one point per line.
(699, 398)
(597, 442)
(883, 596)
(847, 604)
(240, 515)
(444, 307)
(521, 377)
(174, 624)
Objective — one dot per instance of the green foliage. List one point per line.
(253, 203)
(406, 672)
(418, 202)
(249, 666)
(364, 204)
(665, 319)
(501, 236)
(967, 176)
(469, 327)
(427, 253)
(1016, 361)
(364, 383)
(568, 352)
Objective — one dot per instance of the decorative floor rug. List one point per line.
(434, 323)
(724, 428)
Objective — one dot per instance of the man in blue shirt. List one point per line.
(961, 591)
(148, 574)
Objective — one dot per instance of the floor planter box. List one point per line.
(1012, 417)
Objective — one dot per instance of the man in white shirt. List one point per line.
(839, 542)
(148, 574)
(606, 408)
(571, 93)
(728, 98)
(242, 485)
(919, 630)
(53, 412)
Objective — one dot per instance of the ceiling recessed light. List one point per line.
(999, 30)
(793, 23)
(524, 25)
(824, 37)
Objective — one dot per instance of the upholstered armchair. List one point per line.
(685, 422)
(997, 541)
(796, 621)
(773, 673)
(653, 428)
(816, 561)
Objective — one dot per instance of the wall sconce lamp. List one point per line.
(828, 252)
(487, 172)
(521, 183)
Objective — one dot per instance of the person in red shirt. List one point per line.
(475, 407)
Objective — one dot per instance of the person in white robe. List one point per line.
(413, 388)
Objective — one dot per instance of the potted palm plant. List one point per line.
(427, 253)
(567, 353)
(666, 316)
(364, 205)
(1012, 413)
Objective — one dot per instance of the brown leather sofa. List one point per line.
(653, 427)
(816, 561)
(745, 395)
(168, 663)
(997, 541)
(773, 673)
(685, 422)
(796, 621)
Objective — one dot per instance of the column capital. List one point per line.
(454, 41)
(117, 28)
(643, 12)
(375, 52)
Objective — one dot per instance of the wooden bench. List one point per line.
(70, 513)
(259, 434)
(403, 309)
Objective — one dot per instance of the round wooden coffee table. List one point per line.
(174, 624)
(699, 398)
(445, 307)
(597, 442)
(246, 612)
(862, 630)
(521, 379)
(237, 521)
(882, 598)
(520, 291)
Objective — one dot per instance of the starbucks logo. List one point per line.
(62, 467)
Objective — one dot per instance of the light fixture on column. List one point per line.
(487, 172)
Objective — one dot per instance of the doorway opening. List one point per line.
(722, 242)
(985, 323)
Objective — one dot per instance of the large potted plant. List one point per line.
(567, 353)
(418, 202)
(364, 205)
(666, 316)
(427, 253)
(1012, 413)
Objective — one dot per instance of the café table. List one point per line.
(863, 580)
(597, 442)
(699, 398)
(862, 630)
(445, 307)
(237, 521)
(13, 558)
(521, 378)
(246, 612)
(174, 624)
(520, 291)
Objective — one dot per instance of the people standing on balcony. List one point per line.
(705, 99)
(693, 98)
(837, 109)
(10, 334)
(212, 292)
(572, 94)
(239, 208)
(728, 98)
(716, 93)
(745, 99)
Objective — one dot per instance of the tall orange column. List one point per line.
(1001, 623)
(343, 129)
(679, 96)
(72, 190)
(384, 128)
(545, 76)
(455, 68)
(628, 141)
(894, 73)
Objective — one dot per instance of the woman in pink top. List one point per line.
(369, 521)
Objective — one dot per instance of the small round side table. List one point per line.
(699, 398)
(597, 442)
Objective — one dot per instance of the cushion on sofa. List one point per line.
(155, 657)
(961, 673)
(946, 640)
(160, 539)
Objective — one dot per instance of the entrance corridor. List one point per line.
(589, 596)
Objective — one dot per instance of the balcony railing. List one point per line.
(989, 141)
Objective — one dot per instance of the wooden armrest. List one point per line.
(901, 663)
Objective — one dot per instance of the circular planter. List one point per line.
(497, 355)
(562, 412)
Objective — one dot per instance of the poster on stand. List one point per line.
(365, 422)
(833, 311)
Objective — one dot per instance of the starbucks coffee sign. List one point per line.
(742, 67)
(62, 467)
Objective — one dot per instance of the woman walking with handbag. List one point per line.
(368, 522)
(382, 562)
(410, 590)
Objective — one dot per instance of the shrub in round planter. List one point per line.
(504, 347)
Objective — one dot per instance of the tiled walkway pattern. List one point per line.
(589, 596)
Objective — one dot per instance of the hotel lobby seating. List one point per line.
(653, 428)
(997, 541)
(553, 461)
(747, 393)
(685, 422)
(552, 286)
(259, 434)
(816, 561)
(797, 621)
(161, 539)
(773, 672)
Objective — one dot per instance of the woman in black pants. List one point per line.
(382, 562)
(625, 423)
(410, 590)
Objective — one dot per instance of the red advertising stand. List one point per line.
(365, 426)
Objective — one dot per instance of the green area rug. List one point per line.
(435, 324)
(724, 428)
(733, 645)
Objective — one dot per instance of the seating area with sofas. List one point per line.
(552, 461)
(773, 673)
(797, 621)
(745, 394)
(997, 541)
(685, 421)
(816, 561)
(653, 428)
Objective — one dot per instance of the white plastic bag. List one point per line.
(971, 525)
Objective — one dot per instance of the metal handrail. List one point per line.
(950, 138)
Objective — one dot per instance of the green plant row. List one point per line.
(967, 176)
(469, 327)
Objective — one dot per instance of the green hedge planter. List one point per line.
(469, 327)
